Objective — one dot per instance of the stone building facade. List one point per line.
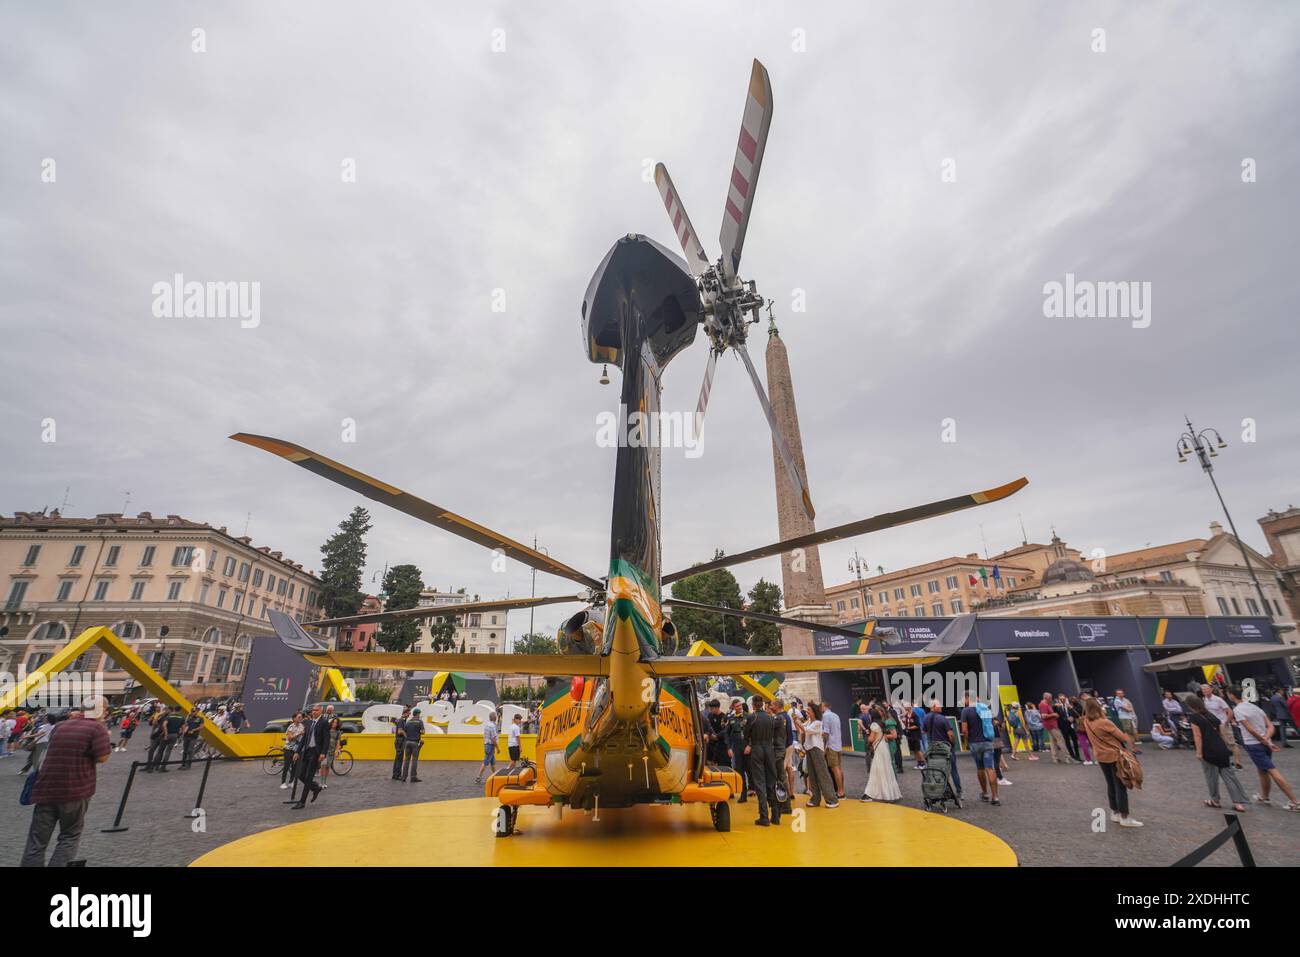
(136, 575)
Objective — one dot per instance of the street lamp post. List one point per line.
(532, 593)
(166, 660)
(1205, 449)
(856, 565)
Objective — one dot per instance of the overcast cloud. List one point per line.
(479, 170)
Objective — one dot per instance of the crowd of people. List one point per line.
(776, 745)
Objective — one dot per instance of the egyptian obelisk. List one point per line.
(801, 571)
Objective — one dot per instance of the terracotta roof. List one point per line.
(1155, 555)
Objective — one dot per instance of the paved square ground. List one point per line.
(1046, 814)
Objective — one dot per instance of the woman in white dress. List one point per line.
(881, 783)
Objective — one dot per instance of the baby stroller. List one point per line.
(936, 778)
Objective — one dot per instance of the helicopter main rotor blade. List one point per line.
(754, 124)
(889, 638)
(449, 610)
(696, 260)
(435, 515)
(851, 529)
(790, 468)
(705, 388)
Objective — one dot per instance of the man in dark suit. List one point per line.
(315, 748)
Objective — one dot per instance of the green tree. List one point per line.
(403, 585)
(536, 644)
(763, 637)
(343, 564)
(442, 632)
(718, 587)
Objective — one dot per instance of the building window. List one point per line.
(933, 586)
(854, 601)
(902, 613)
(212, 560)
(147, 558)
(884, 598)
(243, 571)
(951, 581)
(1253, 606)
(126, 630)
(279, 589)
(229, 568)
(1236, 607)
(1011, 582)
(221, 597)
(1277, 608)
(839, 605)
(203, 593)
(1223, 607)
(16, 592)
(212, 636)
(50, 631)
(956, 606)
(33, 552)
(182, 556)
(898, 594)
(113, 552)
(101, 590)
(174, 591)
(866, 597)
(239, 600)
(78, 553)
(270, 583)
(36, 659)
(473, 649)
(137, 591)
(916, 591)
(257, 578)
(1166, 576)
(65, 590)
(937, 608)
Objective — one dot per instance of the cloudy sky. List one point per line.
(503, 147)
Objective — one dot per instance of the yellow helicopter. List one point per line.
(620, 720)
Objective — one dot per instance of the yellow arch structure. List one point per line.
(334, 678)
(754, 683)
(103, 638)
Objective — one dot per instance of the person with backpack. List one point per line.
(1215, 758)
(126, 728)
(977, 727)
(190, 738)
(1118, 765)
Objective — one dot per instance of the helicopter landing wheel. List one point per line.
(720, 812)
(503, 824)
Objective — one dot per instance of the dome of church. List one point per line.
(1067, 570)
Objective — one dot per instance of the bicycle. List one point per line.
(273, 763)
(341, 761)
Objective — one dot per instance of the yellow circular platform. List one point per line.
(461, 833)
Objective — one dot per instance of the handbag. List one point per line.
(25, 797)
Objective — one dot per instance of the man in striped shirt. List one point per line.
(66, 783)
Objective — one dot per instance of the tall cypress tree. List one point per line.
(343, 565)
(763, 637)
(402, 585)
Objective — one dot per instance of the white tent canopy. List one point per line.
(1221, 653)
